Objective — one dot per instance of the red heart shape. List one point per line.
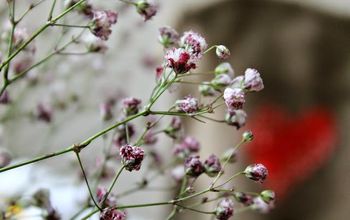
(291, 147)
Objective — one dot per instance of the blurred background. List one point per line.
(300, 120)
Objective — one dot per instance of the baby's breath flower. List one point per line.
(168, 37)
(212, 165)
(252, 80)
(256, 172)
(222, 52)
(224, 210)
(146, 9)
(180, 60)
(102, 22)
(193, 166)
(224, 68)
(132, 157)
(234, 98)
(194, 43)
(188, 105)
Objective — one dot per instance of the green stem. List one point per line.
(71, 25)
(51, 10)
(113, 183)
(38, 32)
(86, 181)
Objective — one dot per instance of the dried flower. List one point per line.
(120, 138)
(224, 210)
(234, 98)
(112, 214)
(221, 81)
(243, 198)
(256, 172)
(206, 90)
(132, 157)
(146, 9)
(236, 118)
(101, 23)
(224, 68)
(252, 80)
(84, 8)
(168, 37)
(193, 166)
(131, 105)
(212, 165)
(222, 52)
(180, 60)
(159, 72)
(194, 43)
(188, 105)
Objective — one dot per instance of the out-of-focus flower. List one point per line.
(5, 98)
(256, 172)
(112, 214)
(224, 68)
(106, 111)
(188, 105)
(206, 90)
(175, 126)
(131, 105)
(243, 198)
(238, 82)
(247, 136)
(260, 205)
(268, 196)
(95, 44)
(224, 210)
(180, 60)
(236, 118)
(212, 165)
(221, 81)
(194, 43)
(178, 173)
(5, 158)
(168, 37)
(132, 157)
(123, 131)
(252, 80)
(150, 138)
(186, 147)
(22, 63)
(44, 112)
(102, 22)
(234, 98)
(145, 9)
(222, 52)
(101, 193)
(193, 166)
(84, 8)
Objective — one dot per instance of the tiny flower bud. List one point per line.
(131, 105)
(188, 105)
(112, 214)
(252, 80)
(180, 60)
(102, 22)
(234, 98)
(268, 196)
(224, 68)
(150, 138)
(230, 155)
(212, 165)
(84, 8)
(222, 52)
(256, 172)
(168, 37)
(193, 166)
(236, 118)
(247, 136)
(243, 198)
(159, 72)
(5, 158)
(131, 157)
(174, 127)
(94, 44)
(146, 9)
(224, 210)
(206, 90)
(194, 43)
(221, 81)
